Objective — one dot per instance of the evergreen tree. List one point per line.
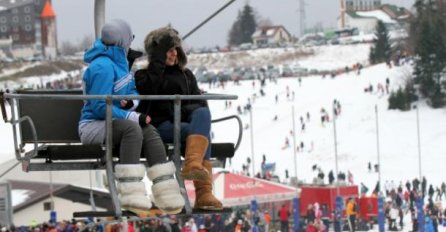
(234, 33)
(403, 98)
(381, 50)
(243, 28)
(430, 51)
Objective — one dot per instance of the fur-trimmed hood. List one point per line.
(157, 35)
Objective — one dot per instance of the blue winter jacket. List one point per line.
(107, 74)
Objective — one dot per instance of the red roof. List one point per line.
(47, 11)
(234, 190)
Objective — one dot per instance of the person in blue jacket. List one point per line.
(108, 74)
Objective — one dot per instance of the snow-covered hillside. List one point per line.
(356, 127)
(328, 57)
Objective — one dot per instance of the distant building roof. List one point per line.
(396, 12)
(47, 11)
(30, 193)
(268, 31)
(378, 14)
(354, 14)
(8, 4)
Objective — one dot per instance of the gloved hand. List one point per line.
(144, 120)
(160, 49)
(127, 104)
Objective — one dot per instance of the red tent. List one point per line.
(234, 190)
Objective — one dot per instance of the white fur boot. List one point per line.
(131, 189)
(165, 189)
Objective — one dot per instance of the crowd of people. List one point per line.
(240, 220)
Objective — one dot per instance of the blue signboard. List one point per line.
(53, 218)
(338, 213)
(254, 215)
(381, 219)
(296, 213)
(420, 203)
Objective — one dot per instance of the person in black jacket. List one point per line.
(166, 74)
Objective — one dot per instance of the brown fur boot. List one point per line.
(204, 199)
(193, 169)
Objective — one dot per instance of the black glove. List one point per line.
(160, 48)
(129, 104)
(142, 120)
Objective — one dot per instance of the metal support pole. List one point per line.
(177, 152)
(419, 143)
(109, 158)
(296, 201)
(378, 148)
(252, 142)
(302, 17)
(51, 191)
(339, 200)
(253, 202)
(294, 146)
(420, 198)
(99, 16)
(381, 220)
(99, 20)
(336, 152)
(92, 202)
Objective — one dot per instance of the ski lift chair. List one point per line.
(48, 121)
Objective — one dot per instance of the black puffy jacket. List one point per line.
(158, 79)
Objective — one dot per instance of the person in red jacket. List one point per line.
(284, 215)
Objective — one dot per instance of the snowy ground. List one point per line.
(356, 128)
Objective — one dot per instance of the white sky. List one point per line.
(356, 127)
(75, 18)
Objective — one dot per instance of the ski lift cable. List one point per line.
(207, 19)
(99, 17)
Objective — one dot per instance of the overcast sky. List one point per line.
(75, 18)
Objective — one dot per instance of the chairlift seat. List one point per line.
(56, 125)
(51, 126)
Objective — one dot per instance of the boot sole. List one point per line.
(172, 211)
(141, 212)
(195, 175)
(213, 208)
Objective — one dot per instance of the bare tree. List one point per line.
(67, 48)
(86, 43)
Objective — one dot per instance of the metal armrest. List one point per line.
(2, 106)
(34, 133)
(240, 127)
